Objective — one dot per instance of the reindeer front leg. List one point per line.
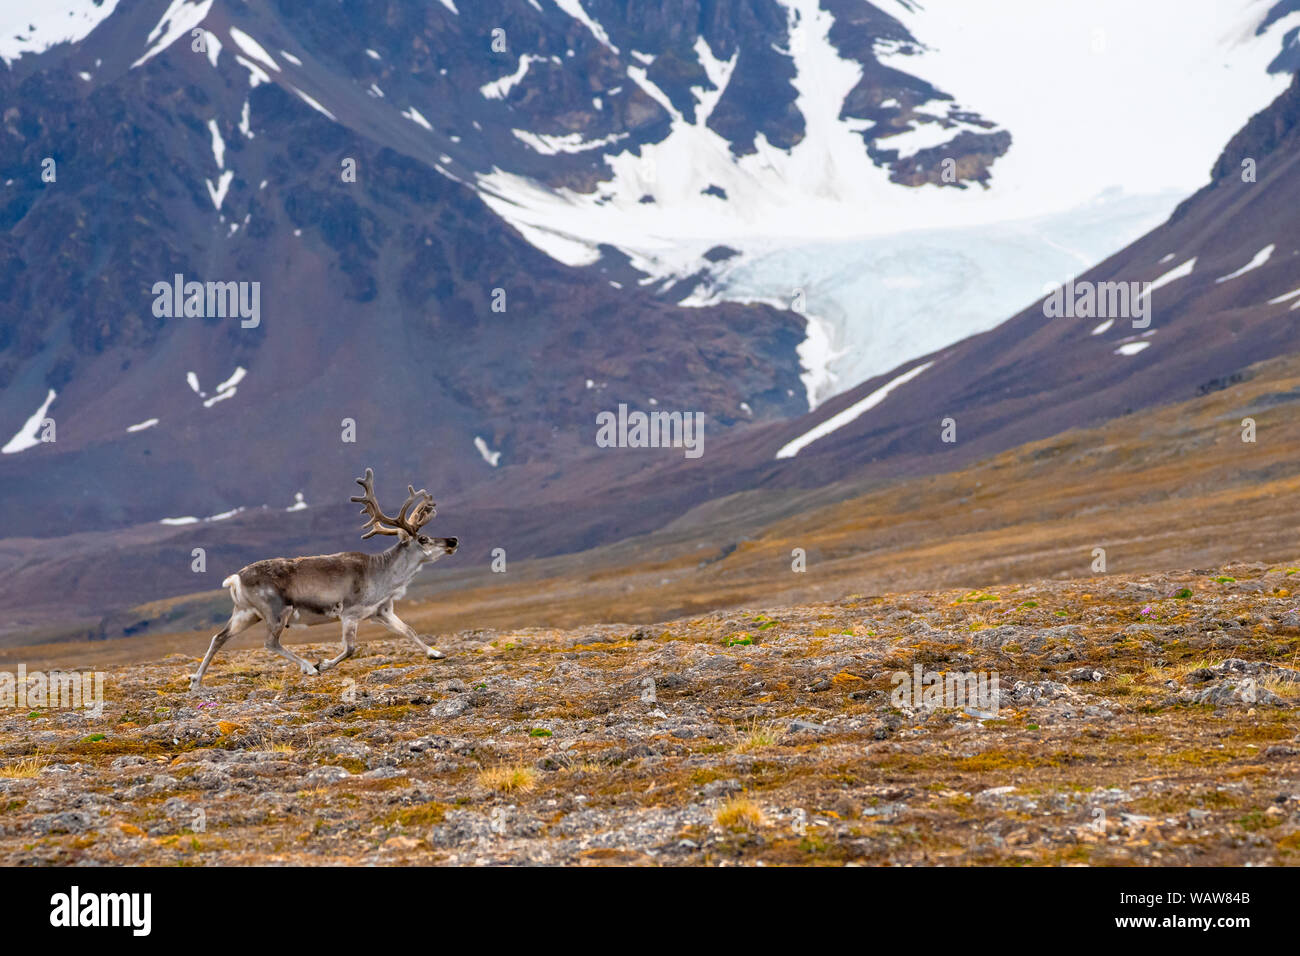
(390, 620)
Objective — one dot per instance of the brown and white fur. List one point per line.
(350, 587)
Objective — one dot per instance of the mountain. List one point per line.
(1223, 275)
(459, 312)
(397, 301)
(889, 258)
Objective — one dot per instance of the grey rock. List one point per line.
(1082, 675)
(383, 773)
(807, 726)
(327, 775)
(451, 707)
(70, 821)
(1229, 693)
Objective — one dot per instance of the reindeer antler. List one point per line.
(380, 523)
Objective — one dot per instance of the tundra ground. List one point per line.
(1142, 720)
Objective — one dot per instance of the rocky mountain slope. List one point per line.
(342, 164)
(1141, 720)
(397, 301)
(377, 311)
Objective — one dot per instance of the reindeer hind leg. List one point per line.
(241, 619)
(275, 625)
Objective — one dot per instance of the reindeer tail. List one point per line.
(236, 587)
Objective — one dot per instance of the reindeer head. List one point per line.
(407, 528)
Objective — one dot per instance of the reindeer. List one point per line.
(350, 586)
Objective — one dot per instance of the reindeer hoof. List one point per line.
(311, 670)
(434, 654)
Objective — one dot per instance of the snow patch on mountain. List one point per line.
(1200, 60)
(252, 48)
(217, 191)
(177, 21)
(218, 144)
(27, 27)
(213, 47)
(852, 413)
(256, 74)
(236, 377)
(500, 89)
(1178, 272)
(29, 435)
(416, 117)
(313, 103)
(489, 456)
(1258, 260)
(574, 9)
(225, 390)
(569, 143)
(190, 519)
(1132, 348)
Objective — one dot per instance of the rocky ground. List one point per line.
(1142, 720)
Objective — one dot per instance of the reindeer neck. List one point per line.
(400, 562)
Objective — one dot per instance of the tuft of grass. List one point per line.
(755, 736)
(583, 767)
(424, 814)
(24, 768)
(1180, 669)
(739, 813)
(271, 745)
(505, 778)
(1277, 684)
